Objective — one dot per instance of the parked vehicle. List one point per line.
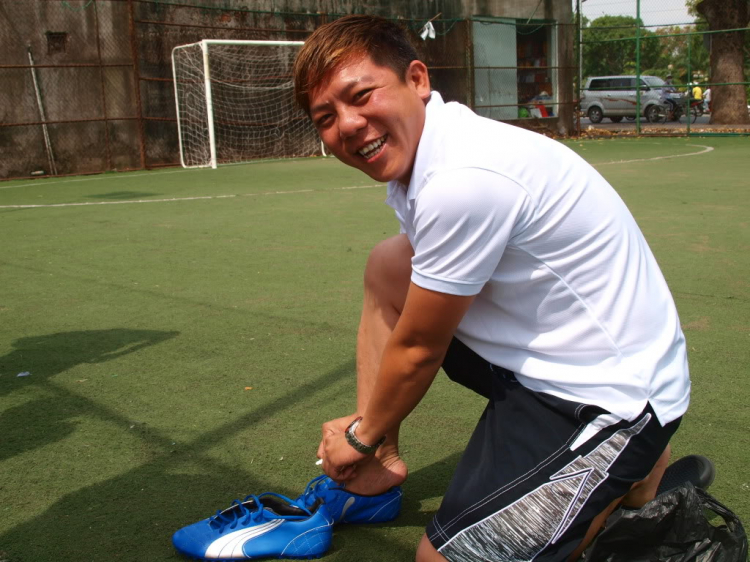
(615, 97)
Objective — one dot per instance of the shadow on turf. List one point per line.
(140, 508)
(132, 517)
(426, 483)
(144, 506)
(48, 419)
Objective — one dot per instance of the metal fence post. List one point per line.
(638, 67)
(137, 83)
(103, 90)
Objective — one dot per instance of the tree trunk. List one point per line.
(728, 103)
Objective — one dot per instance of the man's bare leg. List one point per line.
(640, 493)
(386, 283)
(427, 553)
(644, 491)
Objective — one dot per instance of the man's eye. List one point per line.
(362, 94)
(323, 121)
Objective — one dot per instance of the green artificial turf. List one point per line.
(187, 332)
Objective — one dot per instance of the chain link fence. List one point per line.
(89, 88)
(667, 67)
(89, 83)
(68, 97)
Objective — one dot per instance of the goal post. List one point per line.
(235, 103)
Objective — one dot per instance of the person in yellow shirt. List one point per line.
(697, 93)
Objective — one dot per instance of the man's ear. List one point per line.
(418, 77)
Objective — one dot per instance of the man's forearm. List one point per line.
(405, 376)
(411, 356)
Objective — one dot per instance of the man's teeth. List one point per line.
(372, 148)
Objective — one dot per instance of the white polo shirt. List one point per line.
(569, 295)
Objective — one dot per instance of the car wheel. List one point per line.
(615, 119)
(595, 115)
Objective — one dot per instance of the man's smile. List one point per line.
(373, 148)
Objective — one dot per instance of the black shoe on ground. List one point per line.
(697, 469)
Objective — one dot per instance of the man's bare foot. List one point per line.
(379, 475)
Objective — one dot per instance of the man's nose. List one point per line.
(351, 121)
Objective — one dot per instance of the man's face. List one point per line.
(371, 119)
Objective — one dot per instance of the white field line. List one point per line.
(705, 149)
(206, 197)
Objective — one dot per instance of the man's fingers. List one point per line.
(348, 472)
(338, 473)
(343, 474)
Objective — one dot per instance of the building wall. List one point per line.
(92, 74)
(89, 88)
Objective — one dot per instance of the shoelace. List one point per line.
(311, 491)
(239, 513)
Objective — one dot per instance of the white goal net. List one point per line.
(235, 103)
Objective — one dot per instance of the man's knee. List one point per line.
(389, 267)
(645, 490)
(427, 553)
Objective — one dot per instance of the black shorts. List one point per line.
(531, 480)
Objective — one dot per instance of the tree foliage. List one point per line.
(610, 48)
(686, 55)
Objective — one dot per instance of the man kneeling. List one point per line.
(521, 272)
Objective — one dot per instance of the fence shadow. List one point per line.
(171, 489)
(151, 501)
(49, 418)
(174, 487)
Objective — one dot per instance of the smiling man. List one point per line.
(521, 272)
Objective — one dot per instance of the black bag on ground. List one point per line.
(674, 527)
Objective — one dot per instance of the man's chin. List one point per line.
(377, 176)
(382, 176)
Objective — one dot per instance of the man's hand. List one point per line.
(332, 427)
(340, 459)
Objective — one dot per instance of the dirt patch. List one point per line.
(712, 207)
(702, 246)
(700, 325)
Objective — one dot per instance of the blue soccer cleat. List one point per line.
(265, 526)
(347, 507)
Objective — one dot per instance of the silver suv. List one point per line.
(615, 96)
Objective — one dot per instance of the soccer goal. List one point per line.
(235, 103)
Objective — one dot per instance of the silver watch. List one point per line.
(354, 441)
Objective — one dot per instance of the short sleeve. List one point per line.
(463, 221)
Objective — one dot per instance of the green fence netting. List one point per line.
(663, 67)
